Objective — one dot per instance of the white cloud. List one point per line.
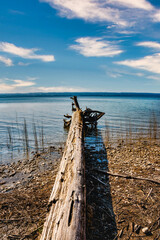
(88, 10)
(149, 44)
(32, 78)
(15, 85)
(24, 52)
(22, 86)
(96, 47)
(61, 89)
(126, 32)
(16, 12)
(5, 88)
(120, 72)
(154, 77)
(21, 83)
(149, 63)
(124, 13)
(7, 61)
(156, 16)
(23, 64)
(141, 4)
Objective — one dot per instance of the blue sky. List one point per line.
(73, 45)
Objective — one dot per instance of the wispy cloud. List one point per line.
(7, 61)
(96, 47)
(21, 83)
(149, 44)
(15, 85)
(23, 64)
(24, 52)
(6, 88)
(154, 77)
(139, 4)
(17, 12)
(156, 16)
(32, 78)
(126, 32)
(119, 12)
(116, 72)
(149, 63)
(61, 89)
(8, 85)
(88, 10)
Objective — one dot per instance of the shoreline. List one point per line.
(119, 208)
(20, 172)
(136, 203)
(25, 188)
(132, 202)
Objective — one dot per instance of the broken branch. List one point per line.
(127, 176)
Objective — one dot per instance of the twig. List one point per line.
(121, 232)
(90, 192)
(126, 176)
(16, 219)
(99, 181)
(158, 219)
(148, 194)
(30, 234)
(118, 202)
(129, 236)
(111, 217)
(11, 237)
(116, 236)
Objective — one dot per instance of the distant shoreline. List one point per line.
(81, 94)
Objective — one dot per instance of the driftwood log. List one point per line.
(66, 219)
(90, 117)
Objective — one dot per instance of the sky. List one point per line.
(79, 46)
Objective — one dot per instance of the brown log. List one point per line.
(66, 219)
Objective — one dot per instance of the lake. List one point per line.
(40, 116)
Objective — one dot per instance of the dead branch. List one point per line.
(74, 98)
(127, 176)
(98, 180)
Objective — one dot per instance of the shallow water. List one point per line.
(47, 113)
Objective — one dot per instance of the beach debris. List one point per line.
(127, 176)
(121, 232)
(137, 228)
(146, 231)
(90, 117)
(150, 191)
(132, 226)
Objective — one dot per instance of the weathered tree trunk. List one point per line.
(66, 217)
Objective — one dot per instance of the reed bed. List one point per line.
(130, 133)
(22, 138)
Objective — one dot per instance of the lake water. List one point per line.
(43, 114)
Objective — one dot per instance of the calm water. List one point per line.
(47, 112)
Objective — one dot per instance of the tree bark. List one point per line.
(66, 219)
